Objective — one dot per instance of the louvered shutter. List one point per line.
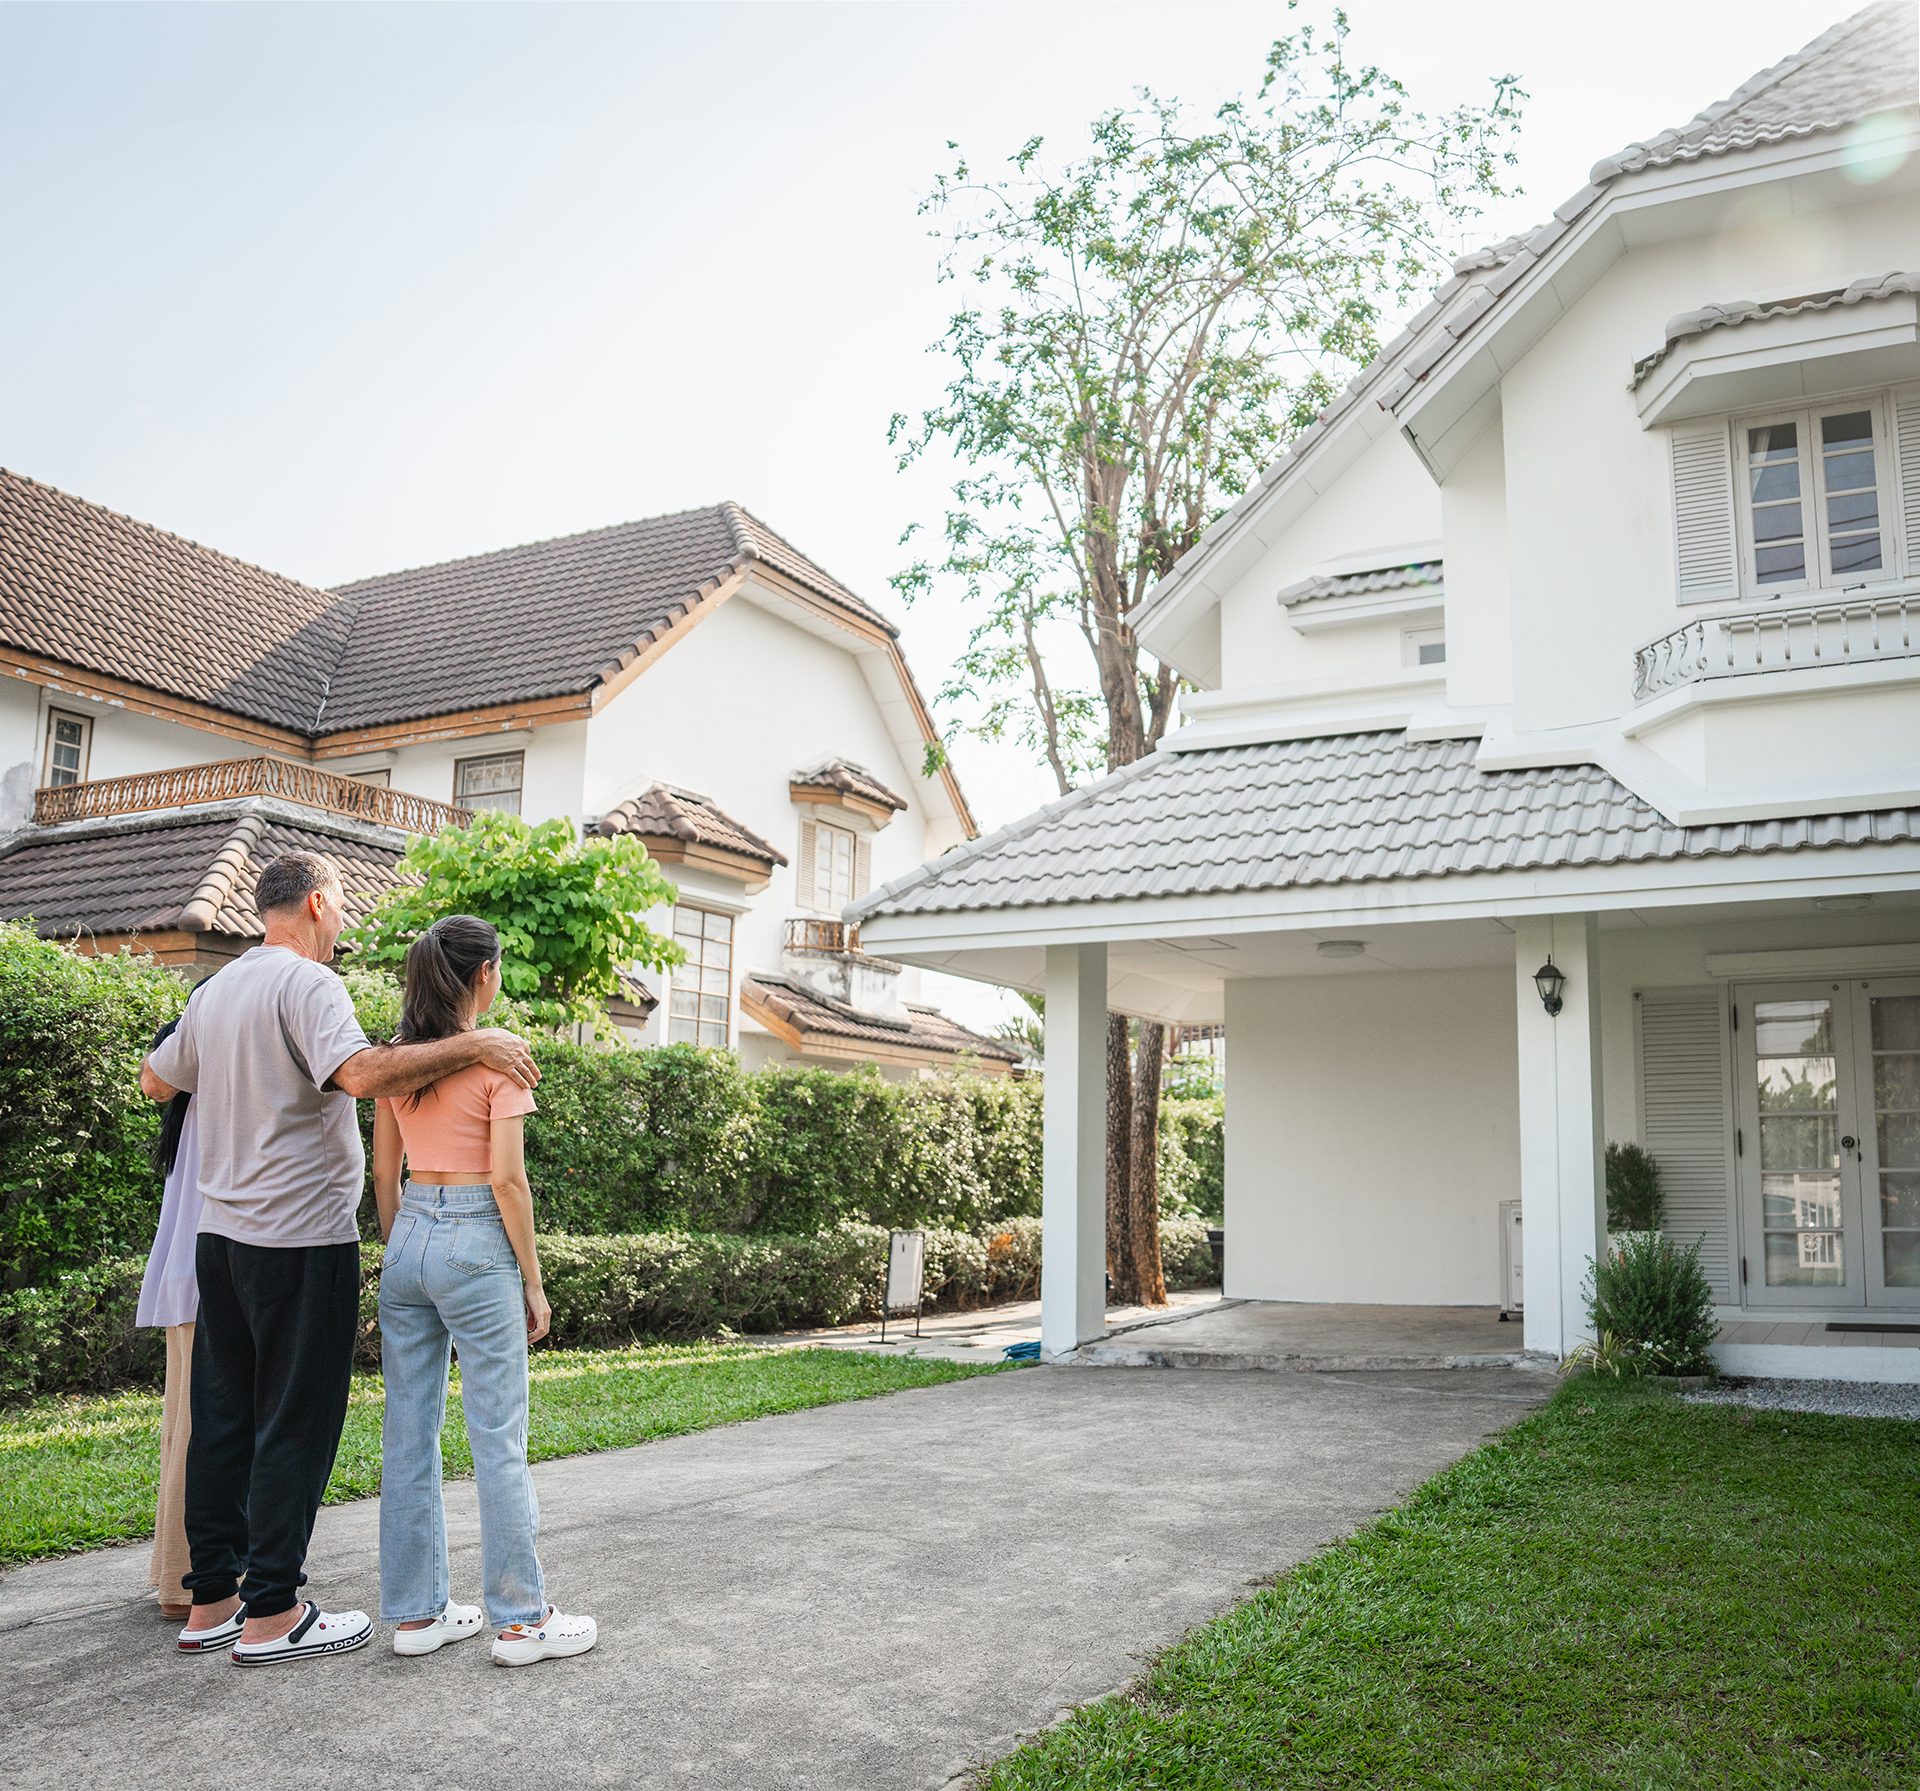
(1686, 1091)
(1706, 542)
(862, 865)
(1906, 454)
(803, 871)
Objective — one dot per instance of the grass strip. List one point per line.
(76, 1473)
(1622, 1591)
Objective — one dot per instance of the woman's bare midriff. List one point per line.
(451, 1178)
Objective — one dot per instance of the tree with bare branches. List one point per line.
(1144, 328)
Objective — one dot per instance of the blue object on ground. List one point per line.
(1024, 1352)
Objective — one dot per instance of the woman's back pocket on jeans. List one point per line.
(477, 1249)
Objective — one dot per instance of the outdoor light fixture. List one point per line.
(1549, 982)
(1341, 948)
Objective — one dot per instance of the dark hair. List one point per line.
(291, 878)
(441, 966)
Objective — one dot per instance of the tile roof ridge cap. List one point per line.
(202, 908)
(806, 559)
(494, 553)
(153, 528)
(1703, 122)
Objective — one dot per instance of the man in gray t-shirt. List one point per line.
(274, 1057)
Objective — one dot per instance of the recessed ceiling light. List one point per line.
(1842, 904)
(1341, 948)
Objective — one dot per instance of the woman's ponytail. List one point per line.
(441, 967)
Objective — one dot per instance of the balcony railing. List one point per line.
(1779, 640)
(822, 935)
(304, 784)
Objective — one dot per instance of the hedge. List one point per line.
(672, 1140)
(79, 1336)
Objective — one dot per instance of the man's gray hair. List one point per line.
(291, 878)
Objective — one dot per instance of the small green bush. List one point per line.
(1635, 1201)
(1193, 1158)
(78, 1335)
(76, 1186)
(1655, 1301)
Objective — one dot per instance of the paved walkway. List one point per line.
(863, 1597)
(1288, 1335)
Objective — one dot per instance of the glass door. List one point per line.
(1799, 1146)
(1887, 1047)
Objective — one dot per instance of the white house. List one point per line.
(170, 716)
(1582, 629)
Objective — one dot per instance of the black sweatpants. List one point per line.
(272, 1363)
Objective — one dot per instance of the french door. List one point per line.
(1828, 1111)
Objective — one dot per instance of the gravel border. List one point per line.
(1840, 1399)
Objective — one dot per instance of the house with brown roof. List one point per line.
(1550, 775)
(170, 717)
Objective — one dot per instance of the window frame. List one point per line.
(85, 725)
(480, 758)
(824, 901)
(1813, 486)
(701, 1021)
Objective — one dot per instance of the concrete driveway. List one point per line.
(864, 1597)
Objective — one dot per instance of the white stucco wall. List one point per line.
(1589, 490)
(1473, 509)
(1385, 499)
(1373, 1131)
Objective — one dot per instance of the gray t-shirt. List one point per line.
(280, 1161)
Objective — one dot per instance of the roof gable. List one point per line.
(1863, 66)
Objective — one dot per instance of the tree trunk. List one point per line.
(1150, 1281)
(1120, 1262)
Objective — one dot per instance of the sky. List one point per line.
(344, 288)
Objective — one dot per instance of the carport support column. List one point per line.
(1563, 1200)
(1073, 1222)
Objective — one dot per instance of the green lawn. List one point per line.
(1622, 1591)
(75, 1473)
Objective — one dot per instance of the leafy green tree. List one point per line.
(568, 910)
(1144, 327)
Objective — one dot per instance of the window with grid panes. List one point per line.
(1814, 497)
(68, 737)
(492, 782)
(833, 854)
(699, 1007)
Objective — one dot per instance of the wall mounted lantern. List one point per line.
(1549, 982)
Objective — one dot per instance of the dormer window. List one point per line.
(1814, 498)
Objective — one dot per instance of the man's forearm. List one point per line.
(400, 1069)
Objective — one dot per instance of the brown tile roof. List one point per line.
(664, 811)
(851, 779)
(917, 1028)
(549, 619)
(164, 874)
(91, 588)
(95, 589)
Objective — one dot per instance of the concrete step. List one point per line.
(1140, 1351)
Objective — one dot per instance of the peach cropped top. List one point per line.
(447, 1129)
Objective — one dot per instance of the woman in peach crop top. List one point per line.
(461, 1271)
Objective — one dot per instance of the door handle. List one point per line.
(1848, 1143)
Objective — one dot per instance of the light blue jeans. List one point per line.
(450, 1278)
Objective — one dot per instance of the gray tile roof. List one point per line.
(1423, 573)
(1357, 808)
(1865, 64)
(665, 811)
(159, 874)
(548, 619)
(1737, 311)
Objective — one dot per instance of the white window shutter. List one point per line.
(1906, 457)
(803, 872)
(1686, 1089)
(862, 865)
(1706, 542)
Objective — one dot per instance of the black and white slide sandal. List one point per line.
(218, 1639)
(318, 1632)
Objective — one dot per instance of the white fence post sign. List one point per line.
(906, 1277)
